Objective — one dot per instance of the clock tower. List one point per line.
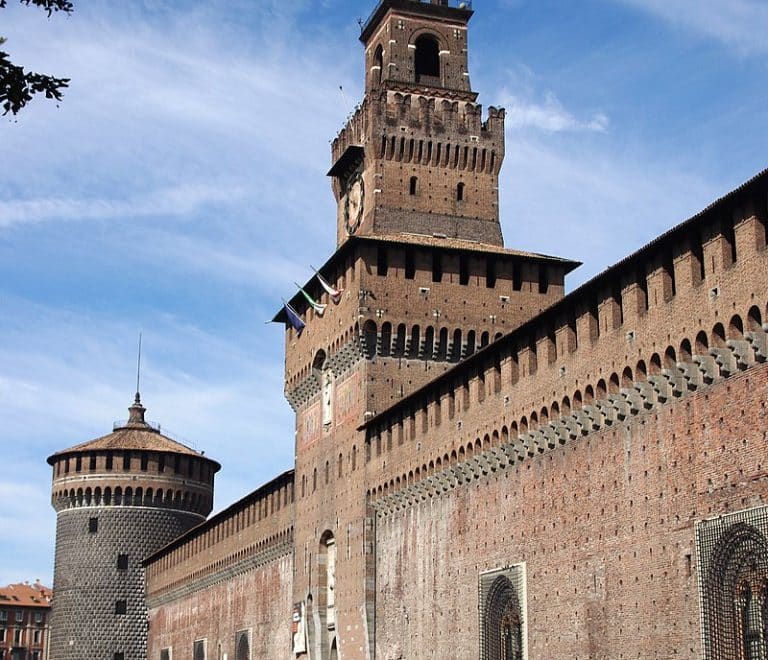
(417, 156)
(419, 281)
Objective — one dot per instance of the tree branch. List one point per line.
(17, 87)
(49, 6)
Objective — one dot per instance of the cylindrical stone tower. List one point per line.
(119, 499)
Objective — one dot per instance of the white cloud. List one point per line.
(549, 116)
(740, 24)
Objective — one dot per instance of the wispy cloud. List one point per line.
(549, 115)
(179, 200)
(740, 24)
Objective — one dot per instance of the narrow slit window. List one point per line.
(460, 192)
(437, 267)
(413, 185)
(410, 265)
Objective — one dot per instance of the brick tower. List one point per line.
(118, 499)
(423, 281)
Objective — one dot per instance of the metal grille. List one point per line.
(502, 605)
(733, 585)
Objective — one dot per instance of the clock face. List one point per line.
(354, 202)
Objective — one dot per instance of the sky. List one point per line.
(179, 190)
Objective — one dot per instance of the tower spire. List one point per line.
(136, 411)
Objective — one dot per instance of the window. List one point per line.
(463, 269)
(2, 634)
(460, 192)
(121, 607)
(19, 616)
(127, 460)
(38, 617)
(78, 464)
(17, 637)
(144, 461)
(199, 650)
(92, 462)
(35, 655)
(378, 63)
(381, 261)
(3, 615)
(122, 562)
(37, 636)
(161, 463)
(93, 525)
(437, 267)
(242, 646)
(502, 617)
(109, 460)
(733, 564)
(165, 654)
(410, 265)
(427, 59)
(413, 185)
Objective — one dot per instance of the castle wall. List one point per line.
(604, 526)
(230, 576)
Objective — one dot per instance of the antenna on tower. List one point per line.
(138, 372)
(360, 22)
(344, 99)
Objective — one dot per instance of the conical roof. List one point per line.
(134, 435)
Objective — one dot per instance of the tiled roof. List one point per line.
(463, 244)
(25, 595)
(134, 435)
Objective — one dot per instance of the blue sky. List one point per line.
(179, 189)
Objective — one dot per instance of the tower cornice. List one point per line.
(452, 10)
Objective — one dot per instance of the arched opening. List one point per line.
(502, 630)
(735, 581)
(334, 650)
(243, 647)
(326, 573)
(378, 65)
(427, 60)
(460, 191)
(324, 376)
(413, 185)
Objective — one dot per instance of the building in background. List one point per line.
(24, 621)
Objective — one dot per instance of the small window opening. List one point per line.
(381, 261)
(490, 273)
(122, 562)
(437, 267)
(642, 283)
(144, 461)
(543, 279)
(93, 525)
(127, 460)
(78, 464)
(697, 250)
(463, 270)
(460, 192)
(161, 463)
(378, 61)
(92, 462)
(427, 58)
(413, 185)
(410, 265)
(669, 269)
(729, 233)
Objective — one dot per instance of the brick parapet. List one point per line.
(584, 350)
(256, 529)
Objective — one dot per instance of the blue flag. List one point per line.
(294, 319)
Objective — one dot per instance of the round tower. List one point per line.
(118, 499)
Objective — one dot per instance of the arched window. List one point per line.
(324, 375)
(736, 574)
(413, 185)
(243, 647)
(502, 624)
(460, 192)
(378, 64)
(427, 60)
